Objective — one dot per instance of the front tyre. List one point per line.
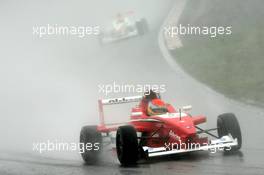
(90, 144)
(227, 123)
(127, 145)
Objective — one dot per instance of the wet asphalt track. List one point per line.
(139, 60)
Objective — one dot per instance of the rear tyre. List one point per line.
(127, 145)
(227, 123)
(91, 144)
(142, 26)
(101, 39)
(144, 23)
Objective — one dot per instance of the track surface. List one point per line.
(78, 66)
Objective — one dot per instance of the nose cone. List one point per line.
(184, 125)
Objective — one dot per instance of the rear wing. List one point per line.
(112, 101)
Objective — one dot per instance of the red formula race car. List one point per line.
(172, 131)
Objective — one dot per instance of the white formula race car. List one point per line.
(122, 27)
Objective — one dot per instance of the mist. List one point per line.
(49, 86)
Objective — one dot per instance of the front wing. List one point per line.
(223, 142)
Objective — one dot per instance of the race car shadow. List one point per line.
(182, 163)
(180, 157)
(238, 153)
(193, 157)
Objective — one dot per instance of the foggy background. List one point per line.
(49, 86)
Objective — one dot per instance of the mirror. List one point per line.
(187, 108)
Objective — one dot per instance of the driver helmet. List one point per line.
(119, 17)
(150, 95)
(156, 107)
